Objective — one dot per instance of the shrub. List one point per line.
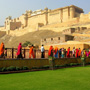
(78, 63)
(0, 69)
(57, 66)
(67, 64)
(4, 69)
(25, 68)
(12, 68)
(46, 67)
(21, 68)
(43, 67)
(40, 68)
(34, 67)
(17, 68)
(26, 44)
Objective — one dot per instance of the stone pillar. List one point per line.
(72, 12)
(14, 19)
(51, 63)
(26, 20)
(29, 13)
(68, 13)
(46, 15)
(61, 15)
(5, 25)
(83, 61)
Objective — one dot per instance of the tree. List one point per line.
(26, 44)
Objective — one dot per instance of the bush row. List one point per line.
(67, 65)
(12, 68)
(57, 66)
(43, 67)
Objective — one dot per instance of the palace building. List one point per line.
(44, 17)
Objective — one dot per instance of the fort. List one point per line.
(70, 22)
(44, 17)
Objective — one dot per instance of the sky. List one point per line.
(16, 8)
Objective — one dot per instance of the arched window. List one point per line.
(51, 39)
(58, 38)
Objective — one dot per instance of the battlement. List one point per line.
(72, 30)
(44, 17)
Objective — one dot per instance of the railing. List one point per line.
(11, 53)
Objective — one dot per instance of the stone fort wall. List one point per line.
(44, 17)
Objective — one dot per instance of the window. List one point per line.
(51, 39)
(58, 38)
(17, 18)
(44, 39)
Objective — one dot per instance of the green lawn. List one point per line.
(77, 78)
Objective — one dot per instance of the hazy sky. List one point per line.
(16, 8)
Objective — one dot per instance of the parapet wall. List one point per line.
(39, 62)
(72, 30)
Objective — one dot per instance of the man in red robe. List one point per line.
(77, 52)
(50, 52)
(68, 52)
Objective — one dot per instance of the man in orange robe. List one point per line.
(79, 53)
(31, 52)
(2, 50)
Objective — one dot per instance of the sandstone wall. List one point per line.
(85, 18)
(54, 17)
(15, 25)
(33, 19)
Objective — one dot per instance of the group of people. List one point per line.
(53, 52)
(19, 52)
(61, 53)
(3, 51)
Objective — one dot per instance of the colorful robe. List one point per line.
(77, 53)
(56, 52)
(68, 53)
(50, 52)
(1, 49)
(31, 53)
(19, 49)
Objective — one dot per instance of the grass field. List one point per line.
(77, 78)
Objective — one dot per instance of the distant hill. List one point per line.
(33, 37)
